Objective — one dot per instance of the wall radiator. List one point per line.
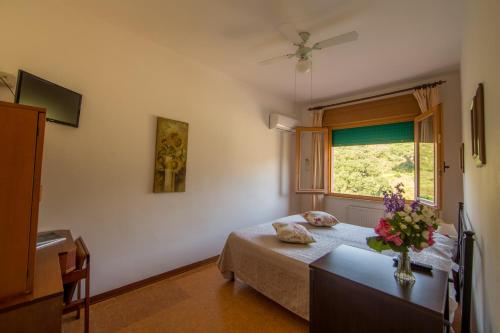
(364, 216)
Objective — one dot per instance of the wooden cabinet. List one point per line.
(21, 144)
(354, 290)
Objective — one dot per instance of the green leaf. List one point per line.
(406, 231)
(396, 248)
(377, 243)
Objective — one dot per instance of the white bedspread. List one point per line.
(281, 270)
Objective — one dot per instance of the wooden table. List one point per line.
(41, 310)
(354, 290)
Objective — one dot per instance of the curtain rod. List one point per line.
(425, 85)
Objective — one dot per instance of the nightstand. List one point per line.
(354, 290)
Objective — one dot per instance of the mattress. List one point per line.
(280, 270)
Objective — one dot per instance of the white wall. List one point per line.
(97, 179)
(480, 63)
(452, 180)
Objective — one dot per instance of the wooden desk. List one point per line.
(41, 310)
(65, 250)
(354, 290)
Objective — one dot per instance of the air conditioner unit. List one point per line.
(282, 122)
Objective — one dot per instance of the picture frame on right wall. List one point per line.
(477, 127)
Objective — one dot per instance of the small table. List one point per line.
(354, 290)
(41, 310)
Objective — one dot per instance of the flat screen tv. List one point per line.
(62, 105)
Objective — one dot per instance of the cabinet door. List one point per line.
(18, 139)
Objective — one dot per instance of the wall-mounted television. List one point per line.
(62, 104)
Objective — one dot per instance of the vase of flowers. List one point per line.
(404, 227)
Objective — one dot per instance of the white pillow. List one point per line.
(320, 219)
(448, 229)
(293, 233)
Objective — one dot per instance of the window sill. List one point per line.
(355, 197)
(430, 204)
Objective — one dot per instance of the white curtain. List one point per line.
(427, 98)
(318, 161)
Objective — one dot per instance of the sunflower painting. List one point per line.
(170, 156)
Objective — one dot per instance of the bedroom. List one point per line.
(199, 63)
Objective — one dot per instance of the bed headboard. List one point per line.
(464, 258)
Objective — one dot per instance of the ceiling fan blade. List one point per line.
(340, 39)
(289, 31)
(276, 59)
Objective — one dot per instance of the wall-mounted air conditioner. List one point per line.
(282, 122)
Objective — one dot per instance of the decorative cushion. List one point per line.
(293, 233)
(448, 230)
(320, 219)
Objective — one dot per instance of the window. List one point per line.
(429, 164)
(366, 149)
(312, 162)
(366, 161)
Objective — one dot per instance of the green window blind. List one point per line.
(371, 135)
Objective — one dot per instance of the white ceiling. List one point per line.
(399, 39)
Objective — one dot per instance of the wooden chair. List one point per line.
(72, 281)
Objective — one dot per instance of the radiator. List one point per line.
(364, 216)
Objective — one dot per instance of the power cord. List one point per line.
(5, 83)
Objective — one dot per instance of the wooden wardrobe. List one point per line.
(21, 146)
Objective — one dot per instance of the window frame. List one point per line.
(364, 124)
(438, 156)
(326, 160)
(438, 133)
(436, 111)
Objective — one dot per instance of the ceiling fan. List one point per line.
(303, 52)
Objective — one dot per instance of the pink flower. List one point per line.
(431, 238)
(395, 239)
(384, 229)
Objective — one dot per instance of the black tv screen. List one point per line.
(62, 105)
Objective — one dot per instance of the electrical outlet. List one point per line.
(10, 79)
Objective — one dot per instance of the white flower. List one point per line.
(402, 226)
(408, 219)
(402, 214)
(416, 227)
(425, 234)
(423, 245)
(389, 216)
(427, 220)
(428, 212)
(408, 208)
(416, 217)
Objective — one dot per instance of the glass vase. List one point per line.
(403, 273)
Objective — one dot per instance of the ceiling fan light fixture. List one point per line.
(303, 65)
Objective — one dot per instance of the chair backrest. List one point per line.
(82, 259)
(82, 253)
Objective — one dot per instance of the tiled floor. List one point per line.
(197, 301)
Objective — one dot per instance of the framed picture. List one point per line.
(477, 127)
(170, 156)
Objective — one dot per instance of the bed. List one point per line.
(280, 270)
